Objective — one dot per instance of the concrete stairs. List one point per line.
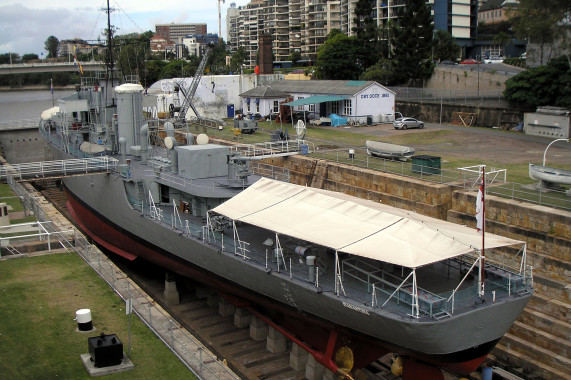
(319, 173)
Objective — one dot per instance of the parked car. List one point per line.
(407, 122)
(494, 60)
(469, 61)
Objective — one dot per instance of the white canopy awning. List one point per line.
(353, 225)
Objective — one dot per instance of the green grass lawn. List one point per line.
(330, 138)
(38, 337)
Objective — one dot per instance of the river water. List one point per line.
(20, 105)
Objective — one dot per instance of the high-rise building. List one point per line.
(174, 33)
(303, 25)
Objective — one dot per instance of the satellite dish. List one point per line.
(170, 142)
(202, 139)
(300, 129)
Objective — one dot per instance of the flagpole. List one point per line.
(483, 251)
(52, 90)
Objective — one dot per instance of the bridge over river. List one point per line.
(26, 68)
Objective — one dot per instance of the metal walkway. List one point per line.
(59, 168)
(274, 149)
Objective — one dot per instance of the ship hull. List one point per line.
(104, 214)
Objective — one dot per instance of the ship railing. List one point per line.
(381, 284)
(177, 181)
(60, 167)
(274, 148)
(498, 283)
(270, 171)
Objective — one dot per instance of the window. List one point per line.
(312, 107)
(347, 107)
(258, 107)
(300, 107)
(335, 108)
(276, 108)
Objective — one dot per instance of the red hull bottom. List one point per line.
(318, 337)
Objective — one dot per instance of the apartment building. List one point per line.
(303, 25)
(174, 33)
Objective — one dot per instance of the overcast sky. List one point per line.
(25, 25)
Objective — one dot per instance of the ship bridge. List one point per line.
(59, 168)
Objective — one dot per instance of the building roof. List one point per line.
(315, 99)
(265, 91)
(324, 87)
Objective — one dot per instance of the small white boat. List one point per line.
(386, 150)
(549, 176)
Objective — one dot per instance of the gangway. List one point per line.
(58, 168)
(272, 149)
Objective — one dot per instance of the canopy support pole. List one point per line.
(397, 289)
(338, 280)
(279, 252)
(414, 295)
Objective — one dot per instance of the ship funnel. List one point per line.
(144, 133)
(130, 112)
(123, 148)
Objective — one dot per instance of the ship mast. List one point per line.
(483, 231)
(109, 56)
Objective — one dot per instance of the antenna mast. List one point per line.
(109, 61)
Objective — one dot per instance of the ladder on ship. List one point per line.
(58, 168)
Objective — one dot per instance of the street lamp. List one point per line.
(544, 153)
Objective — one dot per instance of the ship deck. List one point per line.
(442, 289)
(363, 281)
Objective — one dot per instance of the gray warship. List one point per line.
(332, 272)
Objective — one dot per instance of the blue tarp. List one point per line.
(337, 120)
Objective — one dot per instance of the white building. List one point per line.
(320, 98)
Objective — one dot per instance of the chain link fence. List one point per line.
(500, 187)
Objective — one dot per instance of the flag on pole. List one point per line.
(79, 68)
(75, 62)
(480, 209)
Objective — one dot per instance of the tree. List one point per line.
(29, 57)
(217, 62)
(367, 50)
(129, 60)
(382, 72)
(541, 21)
(238, 59)
(411, 39)
(336, 58)
(501, 39)
(9, 58)
(52, 46)
(444, 47)
(294, 57)
(541, 86)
